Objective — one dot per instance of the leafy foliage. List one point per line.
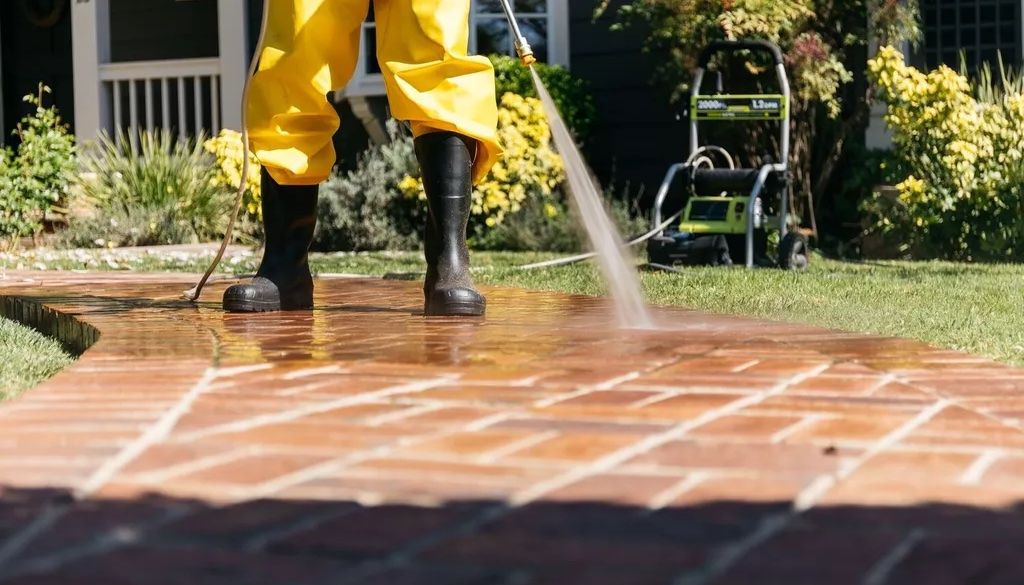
(365, 209)
(571, 94)
(529, 169)
(34, 179)
(549, 225)
(148, 189)
(227, 148)
(822, 41)
(519, 205)
(963, 151)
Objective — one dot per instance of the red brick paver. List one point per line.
(362, 443)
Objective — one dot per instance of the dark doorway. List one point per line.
(35, 40)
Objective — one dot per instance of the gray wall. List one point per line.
(638, 135)
(32, 55)
(143, 30)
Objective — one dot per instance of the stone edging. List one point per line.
(76, 336)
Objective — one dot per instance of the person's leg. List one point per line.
(448, 97)
(445, 161)
(283, 281)
(310, 48)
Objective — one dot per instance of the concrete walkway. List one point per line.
(363, 443)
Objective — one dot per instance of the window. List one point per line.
(544, 23)
(979, 29)
(489, 32)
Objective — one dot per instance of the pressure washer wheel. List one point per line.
(794, 252)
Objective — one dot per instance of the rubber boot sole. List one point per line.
(448, 307)
(237, 301)
(238, 305)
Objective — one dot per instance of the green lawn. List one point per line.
(970, 307)
(29, 357)
(976, 308)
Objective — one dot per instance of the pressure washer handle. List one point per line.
(522, 46)
(735, 46)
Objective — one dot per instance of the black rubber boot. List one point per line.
(283, 281)
(446, 163)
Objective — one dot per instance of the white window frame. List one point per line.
(372, 84)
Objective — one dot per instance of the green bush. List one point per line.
(130, 225)
(549, 225)
(960, 145)
(34, 179)
(147, 190)
(364, 209)
(539, 225)
(528, 169)
(853, 201)
(571, 94)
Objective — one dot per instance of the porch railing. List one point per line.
(182, 95)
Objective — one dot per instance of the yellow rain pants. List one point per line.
(311, 48)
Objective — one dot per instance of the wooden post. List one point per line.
(90, 37)
(234, 60)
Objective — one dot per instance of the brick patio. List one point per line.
(362, 443)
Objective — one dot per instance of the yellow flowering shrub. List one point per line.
(529, 167)
(962, 151)
(227, 148)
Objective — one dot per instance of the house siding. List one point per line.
(637, 135)
(162, 29)
(32, 55)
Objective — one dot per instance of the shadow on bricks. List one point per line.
(157, 540)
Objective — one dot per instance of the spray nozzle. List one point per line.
(524, 51)
(521, 44)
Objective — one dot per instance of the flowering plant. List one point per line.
(963, 151)
(226, 147)
(529, 167)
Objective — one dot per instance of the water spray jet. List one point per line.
(621, 280)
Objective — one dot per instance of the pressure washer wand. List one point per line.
(522, 45)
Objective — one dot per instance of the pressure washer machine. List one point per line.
(730, 210)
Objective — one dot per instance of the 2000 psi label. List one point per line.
(734, 107)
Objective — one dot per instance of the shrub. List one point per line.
(34, 179)
(823, 41)
(365, 209)
(856, 198)
(129, 225)
(519, 206)
(226, 149)
(149, 189)
(549, 225)
(571, 94)
(963, 152)
(529, 169)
